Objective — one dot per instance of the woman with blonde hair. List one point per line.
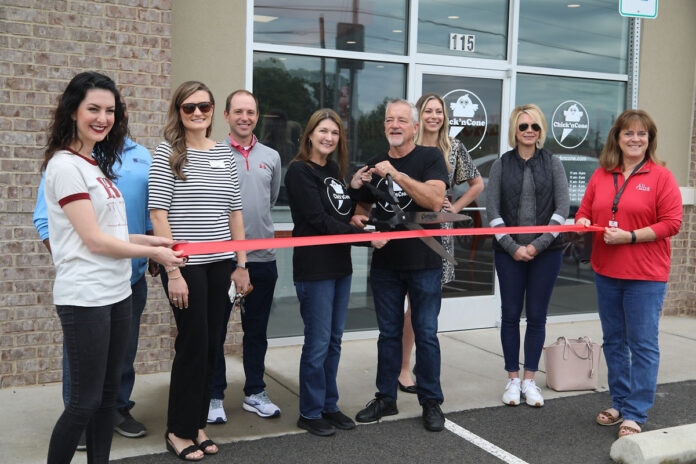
(321, 204)
(194, 196)
(433, 131)
(527, 186)
(638, 201)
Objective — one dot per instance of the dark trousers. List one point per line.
(196, 346)
(527, 284)
(257, 309)
(125, 388)
(95, 339)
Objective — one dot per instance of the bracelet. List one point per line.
(170, 269)
(633, 237)
(174, 278)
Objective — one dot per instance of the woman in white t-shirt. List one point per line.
(194, 196)
(91, 250)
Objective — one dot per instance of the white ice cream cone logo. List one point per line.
(466, 111)
(570, 117)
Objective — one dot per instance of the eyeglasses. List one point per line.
(524, 126)
(189, 108)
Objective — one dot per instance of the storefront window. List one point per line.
(467, 28)
(290, 88)
(587, 36)
(285, 320)
(360, 26)
(579, 113)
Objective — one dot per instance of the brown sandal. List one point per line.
(611, 419)
(625, 431)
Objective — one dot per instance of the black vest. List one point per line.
(512, 176)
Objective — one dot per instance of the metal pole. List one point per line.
(633, 63)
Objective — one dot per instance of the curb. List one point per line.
(673, 445)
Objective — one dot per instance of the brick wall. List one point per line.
(681, 293)
(43, 44)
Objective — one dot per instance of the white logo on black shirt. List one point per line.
(338, 197)
(401, 195)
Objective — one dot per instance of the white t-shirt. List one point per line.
(84, 278)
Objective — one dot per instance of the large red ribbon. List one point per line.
(202, 248)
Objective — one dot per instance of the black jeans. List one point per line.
(95, 339)
(196, 345)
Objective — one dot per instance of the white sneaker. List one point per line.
(216, 413)
(532, 393)
(261, 405)
(512, 392)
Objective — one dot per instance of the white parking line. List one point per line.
(483, 444)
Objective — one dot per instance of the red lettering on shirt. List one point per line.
(111, 190)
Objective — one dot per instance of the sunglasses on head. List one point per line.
(535, 127)
(189, 108)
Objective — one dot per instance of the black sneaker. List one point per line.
(433, 418)
(339, 420)
(82, 444)
(376, 409)
(125, 425)
(320, 427)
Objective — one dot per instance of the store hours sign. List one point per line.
(462, 42)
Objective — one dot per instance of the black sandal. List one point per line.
(205, 444)
(184, 452)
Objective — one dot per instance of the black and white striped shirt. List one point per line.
(198, 207)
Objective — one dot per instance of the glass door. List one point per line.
(477, 106)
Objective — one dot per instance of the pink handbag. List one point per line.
(572, 364)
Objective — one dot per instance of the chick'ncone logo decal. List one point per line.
(467, 112)
(570, 124)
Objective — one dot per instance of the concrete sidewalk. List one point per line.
(472, 377)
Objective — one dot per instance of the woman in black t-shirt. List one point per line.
(321, 204)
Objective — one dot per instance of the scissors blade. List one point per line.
(433, 217)
(433, 244)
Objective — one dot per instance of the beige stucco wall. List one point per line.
(208, 45)
(667, 80)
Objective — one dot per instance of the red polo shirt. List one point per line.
(651, 198)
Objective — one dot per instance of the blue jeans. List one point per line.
(125, 388)
(527, 284)
(389, 289)
(630, 314)
(95, 339)
(257, 309)
(323, 306)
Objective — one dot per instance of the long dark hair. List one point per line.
(306, 145)
(62, 132)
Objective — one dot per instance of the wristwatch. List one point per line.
(242, 265)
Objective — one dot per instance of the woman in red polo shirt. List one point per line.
(638, 201)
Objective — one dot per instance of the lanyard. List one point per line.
(617, 197)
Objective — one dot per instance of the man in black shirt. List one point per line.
(406, 266)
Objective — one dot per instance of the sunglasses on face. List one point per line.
(524, 126)
(189, 108)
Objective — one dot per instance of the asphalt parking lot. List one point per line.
(563, 431)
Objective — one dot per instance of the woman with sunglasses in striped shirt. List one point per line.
(527, 186)
(194, 196)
